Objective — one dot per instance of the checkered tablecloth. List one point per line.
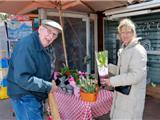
(72, 108)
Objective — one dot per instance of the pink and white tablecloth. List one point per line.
(72, 108)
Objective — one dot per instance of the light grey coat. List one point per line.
(132, 62)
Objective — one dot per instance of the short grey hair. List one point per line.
(128, 23)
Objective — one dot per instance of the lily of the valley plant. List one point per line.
(88, 83)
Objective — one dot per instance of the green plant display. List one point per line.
(102, 58)
(86, 82)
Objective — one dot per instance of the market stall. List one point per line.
(73, 108)
(84, 109)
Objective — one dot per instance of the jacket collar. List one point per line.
(131, 44)
(38, 44)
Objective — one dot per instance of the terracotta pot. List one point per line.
(88, 97)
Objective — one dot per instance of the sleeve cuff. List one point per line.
(49, 87)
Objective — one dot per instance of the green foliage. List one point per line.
(88, 84)
(102, 58)
(70, 72)
(3, 17)
(64, 70)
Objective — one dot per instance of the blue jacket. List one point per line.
(29, 69)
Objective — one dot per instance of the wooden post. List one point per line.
(53, 107)
(63, 38)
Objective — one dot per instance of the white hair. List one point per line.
(128, 23)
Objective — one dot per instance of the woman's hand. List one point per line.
(107, 82)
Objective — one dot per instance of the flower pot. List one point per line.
(88, 97)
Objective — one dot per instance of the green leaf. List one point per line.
(103, 58)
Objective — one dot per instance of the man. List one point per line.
(29, 75)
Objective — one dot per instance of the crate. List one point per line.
(153, 91)
(3, 93)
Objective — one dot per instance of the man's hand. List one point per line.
(54, 87)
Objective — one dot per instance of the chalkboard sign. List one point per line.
(111, 41)
(148, 28)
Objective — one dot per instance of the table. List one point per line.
(73, 108)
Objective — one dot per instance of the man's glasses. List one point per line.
(49, 31)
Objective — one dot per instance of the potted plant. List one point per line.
(83, 85)
(65, 78)
(88, 87)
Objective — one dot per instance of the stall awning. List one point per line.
(87, 6)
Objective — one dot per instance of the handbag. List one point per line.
(123, 89)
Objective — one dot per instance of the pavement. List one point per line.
(6, 112)
(151, 111)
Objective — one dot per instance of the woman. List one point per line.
(131, 70)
